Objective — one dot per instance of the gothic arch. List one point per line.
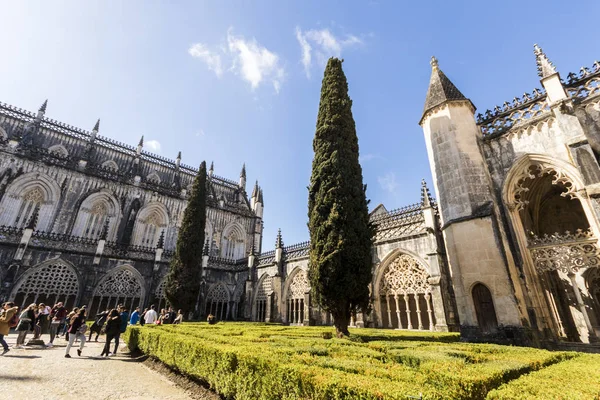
(59, 150)
(403, 295)
(49, 282)
(25, 194)
(111, 164)
(264, 288)
(121, 285)
(295, 289)
(151, 220)
(159, 293)
(533, 181)
(217, 301)
(485, 310)
(93, 213)
(233, 241)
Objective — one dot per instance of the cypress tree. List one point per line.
(183, 280)
(340, 233)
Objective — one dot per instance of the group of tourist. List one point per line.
(56, 321)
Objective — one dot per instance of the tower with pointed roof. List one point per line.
(466, 203)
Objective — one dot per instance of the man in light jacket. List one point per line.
(8, 312)
(151, 315)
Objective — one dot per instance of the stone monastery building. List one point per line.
(509, 252)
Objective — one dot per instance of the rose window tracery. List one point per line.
(121, 283)
(52, 279)
(218, 293)
(405, 275)
(299, 286)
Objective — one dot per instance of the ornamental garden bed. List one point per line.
(262, 361)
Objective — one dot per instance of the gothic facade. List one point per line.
(85, 219)
(410, 287)
(519, 198)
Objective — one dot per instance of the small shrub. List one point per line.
(327, 335)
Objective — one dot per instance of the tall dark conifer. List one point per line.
(340, 233)
(183, 280)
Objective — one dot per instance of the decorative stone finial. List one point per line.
(179, 155)
(161, 240)
(43, 107)
(545, 67)
(434, 63)
(426, 199)
(206, 249)
(97, 126)
(279, 240)
(243, 173)
(260, 197)
(255, 190)
(212, 166)
(141, 143)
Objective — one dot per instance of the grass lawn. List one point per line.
(262, 361)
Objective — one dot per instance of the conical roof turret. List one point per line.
(545, 67)
(426, 200)
(97, 126)
(441, 89)
(279, 240)
(44, 106)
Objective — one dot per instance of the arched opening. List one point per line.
(265, 288)
(405, 295)
(232, 247)
(560, 243)
(98, 212)
(484, 308)
(123, 286)
(159, 295)
(49, 283)
(217, 302)
(296, 308)
(150, 222)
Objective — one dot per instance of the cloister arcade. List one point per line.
(122, 285)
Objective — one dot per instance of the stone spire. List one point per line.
(42, 110)
(426, 199)
(545, 67)
(440, 90)
(44, 106)
(140, 146)
(279, 240)
(260, 196)
(243, 173)
(255, 190)
(242, 183)
(178, 160)
(97, 126)
(211, 170)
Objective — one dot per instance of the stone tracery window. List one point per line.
(121, 286)
(30, 201)
(159, 294)
(405, 294)
(49, 284)
(150, 230)
(297, 290)
(217, 302)
(232, 246)
(96, 221)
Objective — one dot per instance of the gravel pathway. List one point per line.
(40, 373)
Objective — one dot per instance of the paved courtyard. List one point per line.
(35, 372)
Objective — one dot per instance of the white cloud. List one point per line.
(388, 182)
(200, 133)
(153, 145)
(326, 45)
(255, 62)
(211, 59)
(368, 157)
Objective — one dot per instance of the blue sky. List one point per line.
(232, 82)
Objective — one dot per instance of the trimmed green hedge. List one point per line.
(261, 361)
(576, 379)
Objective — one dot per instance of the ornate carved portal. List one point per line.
(121, 286)
(560, 242)
(49, 284)
(405, 295)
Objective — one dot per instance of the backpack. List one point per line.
(14, 321)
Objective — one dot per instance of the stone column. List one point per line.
(438, 304)
(418, 311)
(581, 305)
(429, 312)
(397, 301)
(306, 321)
(268, 305)
(389, 310)
(406, 300)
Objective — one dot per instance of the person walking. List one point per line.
(135, 316)
(98, 324)
(123, 327)
(151, 316)
(57, 315)
(73, 313)
(77, 329)
(143, 316)
(113, 327)
(7, 318)
(26, 321)
(44, 318)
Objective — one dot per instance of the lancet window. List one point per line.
(233, 247)
(31, 201)
(295, 302)
(159, 295)
(151, 230)
(121, 286)
(49, 284)
(217, 302)
(405, 295)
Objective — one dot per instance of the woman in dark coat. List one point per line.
(26, 321)
(112, 329)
